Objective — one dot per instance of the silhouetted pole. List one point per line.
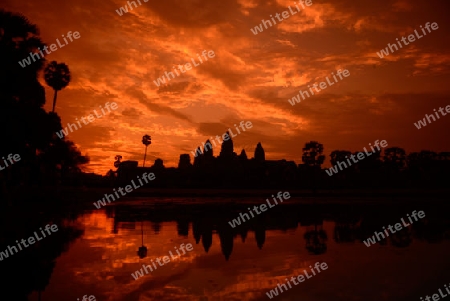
(146, 140)
(145, 156)
(54, 100)
(142, 251)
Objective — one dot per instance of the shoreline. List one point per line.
(84, 197)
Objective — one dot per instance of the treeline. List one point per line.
(27, 129)
(393, 168)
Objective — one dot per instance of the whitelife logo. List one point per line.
(300, 278)
(27, 61)
(436, 296)
(90, 118)
(397, 226)
(411, 38)
(161, 80)
(124, 10)
(423, 123)
(30, 240)
(12, 159)
(237, 221)
(322, 85)
(285, 15)
(225, 137)
(360, 156)
(165, 259)
(128, 188)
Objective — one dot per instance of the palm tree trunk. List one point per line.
(314, 180)
(145, 156)
(54, 101)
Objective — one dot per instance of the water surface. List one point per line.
(245, 262)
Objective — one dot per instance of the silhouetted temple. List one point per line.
(226, 170)
(229, 170)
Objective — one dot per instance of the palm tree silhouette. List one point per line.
(56, 76)
(146, 140)
(118, 158)
(142, 252)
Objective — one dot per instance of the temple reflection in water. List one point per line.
(212, 221)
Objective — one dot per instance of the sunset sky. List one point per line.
(251, 77)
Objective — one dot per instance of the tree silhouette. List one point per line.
(339, 156)
(117, 163)
(401, 239)
(146, 140)
(394, 158)
(313, 158)
(444, 156)
(344, 232)
(18, 37)
(118, 158)
(316, 241)
(31, 130)
(56, 76)
(64, 155)
(426, 157)
(313, 154)
(422, 161)
(21, 94)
